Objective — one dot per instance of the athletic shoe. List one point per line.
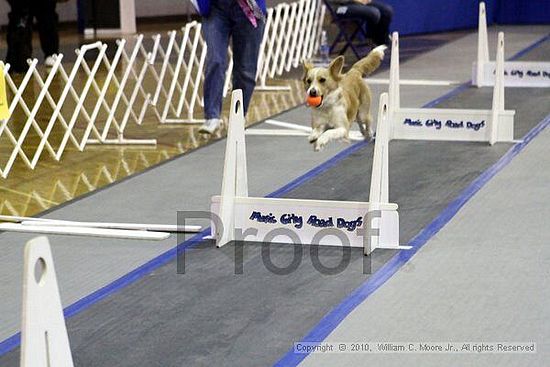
(210, 126)
(49, 61)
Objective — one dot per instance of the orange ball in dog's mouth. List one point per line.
(314, 101)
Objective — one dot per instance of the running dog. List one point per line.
(338, 99)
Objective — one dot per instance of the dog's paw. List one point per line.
(313, 138)
(320, 143)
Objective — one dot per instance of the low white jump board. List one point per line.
(306, 218)
(516, 74)
(450, 124)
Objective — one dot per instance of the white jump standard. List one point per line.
(447, 124)
(295, 221)
(516, 73)
(44, 339)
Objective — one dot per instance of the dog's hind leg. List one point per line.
(365, 124)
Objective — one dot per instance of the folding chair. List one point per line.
(342, 23)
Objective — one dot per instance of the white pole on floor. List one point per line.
(28, 221)
(394, 103)
(44, 339)
(498, 91)
(85, 231)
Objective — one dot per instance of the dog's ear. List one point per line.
(307, 67)
(335, 67)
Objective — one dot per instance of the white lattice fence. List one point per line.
(292, 35)
(96, 99)
(86, 104)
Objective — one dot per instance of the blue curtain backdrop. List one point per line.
(424, 16)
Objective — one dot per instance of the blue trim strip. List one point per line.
(530, 48)
(340, 312)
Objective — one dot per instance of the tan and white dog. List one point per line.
(344, 98)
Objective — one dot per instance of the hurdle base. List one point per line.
(316, 215)
(518, 74)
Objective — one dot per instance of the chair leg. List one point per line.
(336, 41)
(349, 43)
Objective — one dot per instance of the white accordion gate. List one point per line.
(98, 99)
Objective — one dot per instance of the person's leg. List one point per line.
(216, 31)
(383, 29)
(19, 35)
(46, 21)
(370, 14)
(355, 10)
(246, 46)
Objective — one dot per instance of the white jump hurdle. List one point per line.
(44, 339)
(516, 73)
(369, 225)
(491, 125)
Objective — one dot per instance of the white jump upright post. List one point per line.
(447, 124)
(235, 179)
(516, 73)
(298, 221)
(498, 92)
(385, 233)
(44, 339)
(482, 46)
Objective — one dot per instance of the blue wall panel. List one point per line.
(425, 16)
(523, 12)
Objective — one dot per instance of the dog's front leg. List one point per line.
(315, 133)
(329, 135)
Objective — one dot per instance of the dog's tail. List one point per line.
(368, 64)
